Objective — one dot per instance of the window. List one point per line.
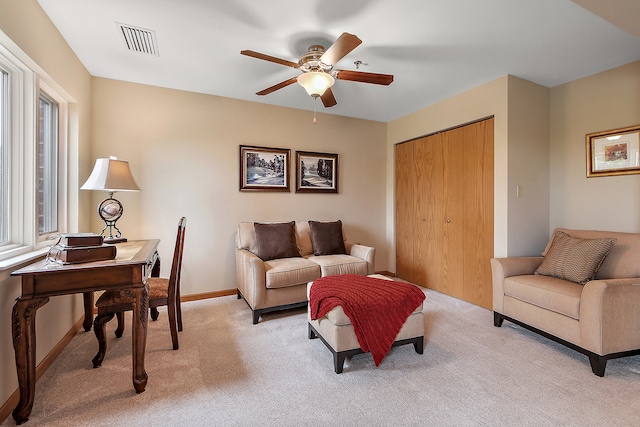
(34, 122)
(47, 166)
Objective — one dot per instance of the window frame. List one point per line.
(4, 154)
(47, 166)
(26, 82)
(60, 130)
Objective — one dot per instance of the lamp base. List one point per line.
(110, 210)
(113, 240)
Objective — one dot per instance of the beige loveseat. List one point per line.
(600, 318)
(281, 283)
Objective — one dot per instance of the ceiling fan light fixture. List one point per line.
(316, 82)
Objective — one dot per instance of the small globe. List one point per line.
(110, 210)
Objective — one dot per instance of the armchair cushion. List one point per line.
(276, 240)
(327, 238)
(574, 259)
(550, 293)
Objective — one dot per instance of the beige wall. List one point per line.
(521, 141)
(183, 149)
(528, 165)
(486, 100)
(604, 101)
(540, 145)
(26, 30)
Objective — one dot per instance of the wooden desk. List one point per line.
(134, 262)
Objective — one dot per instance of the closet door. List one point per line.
(430, 258)
(404, 214)
(447, 241)
(478, 213)
(451, 218)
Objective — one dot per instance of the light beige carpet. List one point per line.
(229, 372)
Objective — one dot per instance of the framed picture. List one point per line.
(264, 169)
(613, 152)
(316, 172)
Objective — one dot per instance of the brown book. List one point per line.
(80, 239)
(74, 255)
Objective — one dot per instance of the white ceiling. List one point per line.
(434, 48)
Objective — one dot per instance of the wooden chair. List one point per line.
(161, 292)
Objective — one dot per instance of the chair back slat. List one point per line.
(176, 266)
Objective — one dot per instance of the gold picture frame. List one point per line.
(613, 152)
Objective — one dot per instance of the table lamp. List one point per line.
(111, 175)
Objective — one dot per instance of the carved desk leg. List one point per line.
(139, 337)
(24, 343)
(99, 329)
(88, 310)
(155, 272)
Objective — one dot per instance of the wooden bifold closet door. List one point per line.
(444, 211)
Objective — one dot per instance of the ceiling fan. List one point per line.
(318, 74)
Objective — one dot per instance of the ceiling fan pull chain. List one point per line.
(315, 103)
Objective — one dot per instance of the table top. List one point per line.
(127, 253)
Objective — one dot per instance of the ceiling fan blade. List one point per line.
(340, 48)
(278, 86)
(269, 58)
(328, 100)
(360, 76)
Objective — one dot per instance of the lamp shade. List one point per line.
(111, 175)
(315, 82)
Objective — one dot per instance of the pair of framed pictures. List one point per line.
(267, 169)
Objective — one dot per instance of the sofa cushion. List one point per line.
(550, 293)
(334, 265)
(284, 272)
(276, 240)
(304, 238)
(327, 238)
(574, 259)
(246, 237)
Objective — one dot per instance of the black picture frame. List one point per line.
(264, 169)
(316, 172)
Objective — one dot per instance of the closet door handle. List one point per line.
(448, 221)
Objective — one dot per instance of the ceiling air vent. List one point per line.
(139, 39)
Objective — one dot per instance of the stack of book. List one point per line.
(73, 248)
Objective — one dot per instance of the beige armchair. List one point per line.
(600, 318)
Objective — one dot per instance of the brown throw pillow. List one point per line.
(326, 238)
(276, 240)
(574, 259)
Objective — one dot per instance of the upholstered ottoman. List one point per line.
(337, 332)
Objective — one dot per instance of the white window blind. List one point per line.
(47, 166)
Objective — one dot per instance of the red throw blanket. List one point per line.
(377, 308)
